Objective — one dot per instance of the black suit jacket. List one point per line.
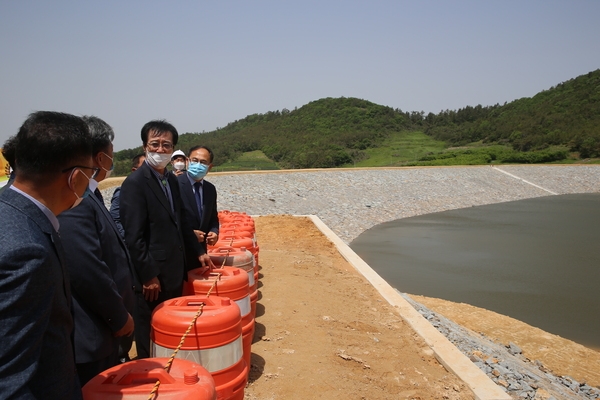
(36, 323)
(161, 241)
(210, 216)
(101, 275)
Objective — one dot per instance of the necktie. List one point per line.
(99, 195)
(198, 195)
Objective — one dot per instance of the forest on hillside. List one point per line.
(333, 132)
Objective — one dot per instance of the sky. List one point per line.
(203, 64)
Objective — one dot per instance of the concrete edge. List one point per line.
(445, 352)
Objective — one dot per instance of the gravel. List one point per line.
(352, 201)
(520, 377)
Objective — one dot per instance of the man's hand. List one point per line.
(206, 263)
(199, 235)
(151, 289)
(127, 329)
(212, 238)
(177, 172)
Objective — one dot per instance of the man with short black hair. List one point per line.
(161, 242)
(53, 168)
(100, 269)
(200, 196)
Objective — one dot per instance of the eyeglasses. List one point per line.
(94, 174)
(153, 146)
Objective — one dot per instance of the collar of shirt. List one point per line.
(93, 185)
(192, 181)
(159, 176)
(49, 214)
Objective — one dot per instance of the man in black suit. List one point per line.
(115, 201)
(200, 196)
(99, 267)
(54, 165)
(160, 240)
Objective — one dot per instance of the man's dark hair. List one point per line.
(48, 142)
(136, 160)
(8, 150)
(101, 132)
(158, 127)
(210, 152)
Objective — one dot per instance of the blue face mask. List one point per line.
(197, 170)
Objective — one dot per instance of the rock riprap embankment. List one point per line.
(351, 201)
(517, 375)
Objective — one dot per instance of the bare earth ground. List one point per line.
(322, 331)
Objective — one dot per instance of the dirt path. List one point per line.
(322, 331)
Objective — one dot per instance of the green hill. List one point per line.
(334, 132)
(567, 114)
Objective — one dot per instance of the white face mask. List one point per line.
(179, 165)
(158, 160)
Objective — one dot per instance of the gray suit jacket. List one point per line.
(36, 323)
(100, 273)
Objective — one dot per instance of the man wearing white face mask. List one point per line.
(178, 161)
(200, 196)
(54, 157)
(100, 269)
(161, 242)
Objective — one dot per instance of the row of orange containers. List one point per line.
(214, 359)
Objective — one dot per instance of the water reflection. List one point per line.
(535, 260)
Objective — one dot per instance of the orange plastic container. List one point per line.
(215, 341)
(239, 258)
(238, 242)
(135, 380)
(229, 282)
(231, 231)
(230, 216)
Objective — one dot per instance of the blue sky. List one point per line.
(202, 64)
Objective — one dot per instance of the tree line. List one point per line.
(333, 132)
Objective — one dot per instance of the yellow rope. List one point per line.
(167, 367)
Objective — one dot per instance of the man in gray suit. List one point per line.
(54, 166)
(100, 269)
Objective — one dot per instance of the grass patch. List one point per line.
(400, 148)
(249, 161)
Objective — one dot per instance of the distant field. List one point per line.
(253, 160)
(417, 149)
(401, 148)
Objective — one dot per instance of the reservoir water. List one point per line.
(536, 260)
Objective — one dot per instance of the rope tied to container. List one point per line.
(167, 367)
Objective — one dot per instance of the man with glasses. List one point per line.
(53, 159)
(200, 196)
(160, 239)
(100, 269)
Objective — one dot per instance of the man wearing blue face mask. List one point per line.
(100, 269)
(199, 196)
